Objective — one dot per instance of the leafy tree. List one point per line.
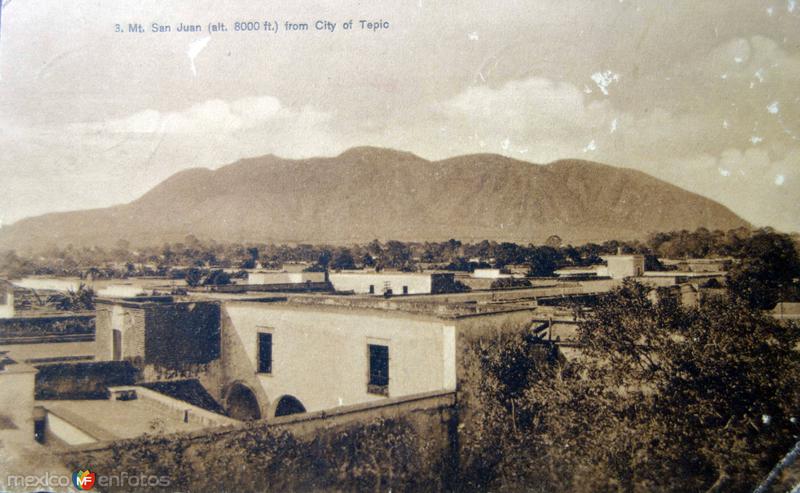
(343, 259)
(324, 258)
(652, 263)
(81, 299)
(367, 260)
(432, 252)
(194, 276)
(462, 264)
(217, 277)
(14, 266)
(251, 261)
(499, 371)
(510, 282)
(767, 270)
(397, 255)
(451, 249)
(167, 254)
(663, 398)
(508, 253)
(543, 261)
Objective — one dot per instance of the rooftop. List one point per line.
(681, 273)
(386, 273)
(397, 306)
(112, 419)
(149, 412)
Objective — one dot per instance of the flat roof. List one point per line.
(388, 308)
(387, 273)
(112, 419)
(35, 351)
(695, 260)
(681, 273)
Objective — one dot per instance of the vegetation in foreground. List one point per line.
(663, 398)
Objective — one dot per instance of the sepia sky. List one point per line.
(703, 94)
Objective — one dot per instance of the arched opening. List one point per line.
(289, 405)
(241, 403)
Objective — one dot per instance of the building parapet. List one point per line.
(178, 408)
(306, 423)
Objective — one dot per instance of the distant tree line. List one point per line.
(201, 260)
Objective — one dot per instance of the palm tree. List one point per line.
(78, 300)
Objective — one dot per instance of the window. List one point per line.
(116, 345)
(264, 352)
(378, 369)
(371, 289)
(405, 289)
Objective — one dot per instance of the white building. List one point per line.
(273, 357)
(6, 300)
(489, 274)
(282, 357)
(396, 283)
(283, 277)
(121, 291)
(16, 402)
(622, 266)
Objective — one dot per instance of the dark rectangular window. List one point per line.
(371, 289)
(378, 369)
(116, 345)
(405, 289)
(264, 352)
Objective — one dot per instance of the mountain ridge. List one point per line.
(370, 192)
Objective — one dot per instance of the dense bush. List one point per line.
(46, 326)
(83, 380)
(381, 455)
(767, 271)
(664, 398)
(510, 282)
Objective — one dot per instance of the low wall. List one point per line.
(421, 304)
(178, 409)
(269, 288)
(403, 444)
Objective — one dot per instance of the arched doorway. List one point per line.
(241, 403)
(289, 405)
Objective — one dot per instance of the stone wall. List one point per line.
(102, 336)
(181, 334)
(403, 444)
